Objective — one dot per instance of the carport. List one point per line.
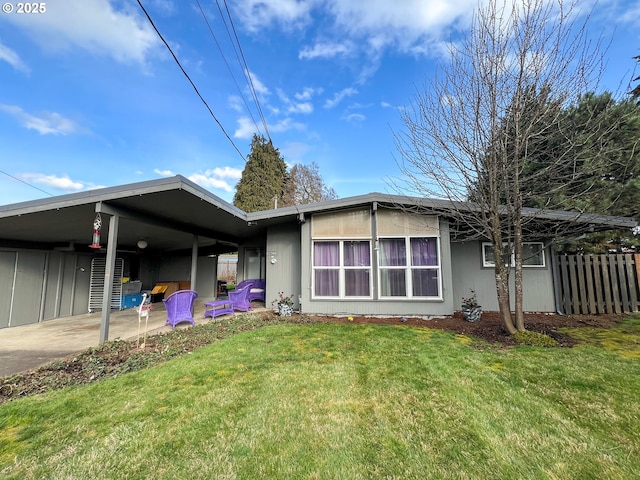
(45, 244)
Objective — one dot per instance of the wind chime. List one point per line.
(97, 225)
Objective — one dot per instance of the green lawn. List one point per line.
(334, 401)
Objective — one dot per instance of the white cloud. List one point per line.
(327, 50)
(305, 108)
(355, 118)
(47, 123)
(95, 26)
(210, 182)
(339, 96)
(631, 14)
(58, 182)
(163, 173)
(258, 86)
(235, 103)
(216, 178)
(307, 93)
(365, 25)
(258, 14)
(12, 58)
(212, 178)
(245, 129)
(285, 125)
(226, 172)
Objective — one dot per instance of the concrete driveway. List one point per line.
(30, 346)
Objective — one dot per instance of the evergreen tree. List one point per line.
(263, 178)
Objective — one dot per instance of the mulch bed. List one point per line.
(490, 327)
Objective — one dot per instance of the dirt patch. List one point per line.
(490, 327)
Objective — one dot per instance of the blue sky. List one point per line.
(90, 97)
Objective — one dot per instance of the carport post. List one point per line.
(194, 262)
(108, 277)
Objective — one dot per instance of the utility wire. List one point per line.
(26, 183)
(243, 62)
(244, 100)
(189, 78)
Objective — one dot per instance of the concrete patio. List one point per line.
(27, 347)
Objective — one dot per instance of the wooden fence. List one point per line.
(592, 284)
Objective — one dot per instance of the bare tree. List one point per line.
(305, 185)
(482, 122)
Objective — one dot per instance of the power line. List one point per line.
(26, 183)
(243, 62)
(244, 100)
(189, 78)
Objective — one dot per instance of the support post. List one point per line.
(194, 262)
(108, 277)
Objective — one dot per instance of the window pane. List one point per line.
(393, 283)
(424, 252)
(357, 254)
(489, 256)
(356, 283)
(326, 254)
(425, 283)
(533, 254)
(393, 252)
(326, 283)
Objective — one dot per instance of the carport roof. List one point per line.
(165, 212)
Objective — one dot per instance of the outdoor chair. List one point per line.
(256, 292)
(239, 299)
(256, 288)
(179, 307)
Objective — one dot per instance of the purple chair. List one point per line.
(239, 299)
(256, 288)
(179, 307)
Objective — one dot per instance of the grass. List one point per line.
(333, 401)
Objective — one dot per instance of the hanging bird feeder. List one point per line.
(97, 225)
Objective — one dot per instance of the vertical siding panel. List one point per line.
(28, 288)
(7, 269)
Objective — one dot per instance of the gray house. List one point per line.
(366, 255)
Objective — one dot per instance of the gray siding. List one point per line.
(7, 272)
(178, 269)
(38, 285)
(283, 245)
(468, 273)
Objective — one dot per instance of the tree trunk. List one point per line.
(518, 284)
(518, 265)
(502, 284)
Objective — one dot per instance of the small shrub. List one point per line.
(534, 339)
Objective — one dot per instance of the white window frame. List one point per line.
(408, 269)
(341, 269)
(490, 264)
